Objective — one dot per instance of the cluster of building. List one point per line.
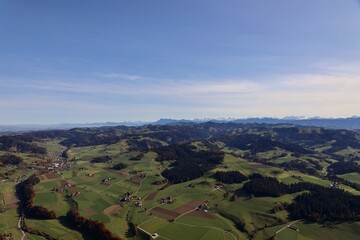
(74, 194)
(61, 189)
(59, 164)
(138, 202)
(166, 200)
(106, 179)
(335, 184)
(126, 198)
(203, 207)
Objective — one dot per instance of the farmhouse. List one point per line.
(126, 198)
(166, 200)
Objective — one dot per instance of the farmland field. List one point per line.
(123, 185)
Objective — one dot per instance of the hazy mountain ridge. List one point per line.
(350, 123)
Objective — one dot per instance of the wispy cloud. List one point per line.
(158, 88)
(331, 93)
(121, 76)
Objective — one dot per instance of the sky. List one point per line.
(88, 61)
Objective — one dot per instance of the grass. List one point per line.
(95, 197)
(351, 177)
(179, 231)
(54, 228)
(8, 222)
(313, 231)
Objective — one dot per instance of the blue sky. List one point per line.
(95, 61)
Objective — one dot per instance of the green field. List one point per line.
(232, 214)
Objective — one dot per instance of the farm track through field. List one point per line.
(287, 226)
(122, 181)
(111, 185)
(229, 223)
(189, 225)
(183, 214)
(20, 229)
(185, 194)
(209, 227)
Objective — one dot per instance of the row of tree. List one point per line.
(20, 143)
(230, 177)
(10, 159)
(344, 167)
(326, 204)
(119, 166)
(93, 228)
(101, 159)
(319, 204)
(300, 166)
(260, 186)
(258, 143)
(188, 163)
(26, 195)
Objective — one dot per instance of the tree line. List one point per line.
(261, 186)
(26, 195)
(326, 204)
(20, 143)
(319, 204)
(188, 163)
(339, 168)
(230, 177)
(11, 159)
(94, 228)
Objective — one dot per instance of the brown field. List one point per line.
(73, 189)
(88, 212)
(10, 198)
(150, 196)
(172, 214)
(189, 206)
(43, 177)
(112, 209)
(51, 175)
(12, 206)
(260, 166)
(164, 213)
(63, 182)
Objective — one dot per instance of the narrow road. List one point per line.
(185, 213)
(288, 225)
(148, 211)
(20, 229)
(189, 225)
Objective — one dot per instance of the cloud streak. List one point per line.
(328, 94)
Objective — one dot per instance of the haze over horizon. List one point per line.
(96, 61)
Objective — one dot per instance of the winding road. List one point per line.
(287, 226)
(20, 229)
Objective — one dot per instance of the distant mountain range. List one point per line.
(335, 123)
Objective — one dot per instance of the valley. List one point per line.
(181, 181)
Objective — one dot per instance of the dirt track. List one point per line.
(188, 206)
(150, 196)
(112, 209)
